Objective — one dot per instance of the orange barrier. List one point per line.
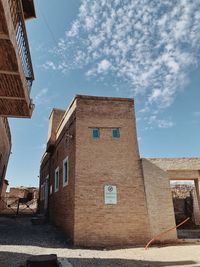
(163, 233)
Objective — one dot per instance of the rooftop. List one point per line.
(176, 163)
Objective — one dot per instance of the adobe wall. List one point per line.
(108, 161)
(159, 200)
(5, 148)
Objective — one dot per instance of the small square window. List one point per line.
(115, 133)
(95, 133)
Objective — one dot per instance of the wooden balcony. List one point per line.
(16, 72)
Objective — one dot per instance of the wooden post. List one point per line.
(18, 207)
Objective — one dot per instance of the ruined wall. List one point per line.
(22, 192)
(159, 200)
(108, 161)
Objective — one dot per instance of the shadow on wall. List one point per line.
(12, 259)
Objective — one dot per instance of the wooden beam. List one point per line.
(4, 36)
(9, 72)
(12, 98)
(16, 116)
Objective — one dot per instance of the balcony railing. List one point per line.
(22, 40)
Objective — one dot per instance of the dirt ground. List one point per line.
(19, 239)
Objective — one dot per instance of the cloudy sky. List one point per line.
(146, 49)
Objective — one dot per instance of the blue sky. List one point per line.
(146, 49)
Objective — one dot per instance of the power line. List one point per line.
(48, 27)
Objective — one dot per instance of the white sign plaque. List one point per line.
(110, 194)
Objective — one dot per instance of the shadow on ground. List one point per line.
(10, 259)
(20, 231)
(77, 262)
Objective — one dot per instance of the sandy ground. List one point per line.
(19, 239)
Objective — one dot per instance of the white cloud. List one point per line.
(150, 44)
(103, 66)
(49, 65)
(154, 121)
(74, 29)
(41, 98)
(165, 124)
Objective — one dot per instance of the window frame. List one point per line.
(94, 129)
(64, 171)
(55, 177)
(118, 129)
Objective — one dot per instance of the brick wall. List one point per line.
(5, 148)
(78, 208)
(159, 200)
(61, 203)
(108, 161)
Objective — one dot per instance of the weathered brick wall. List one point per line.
(159, 200)
(5, 148)
(108, 161)
(61, 203)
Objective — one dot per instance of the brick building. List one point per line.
(16, 72)
(93, 183)
(92, 149)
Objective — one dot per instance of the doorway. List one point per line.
(185, 198)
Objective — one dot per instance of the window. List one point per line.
(115, 133)
(95, 133)
(65, 171)
(56, 180)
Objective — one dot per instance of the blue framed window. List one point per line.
(115, 133)
(95, 133)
